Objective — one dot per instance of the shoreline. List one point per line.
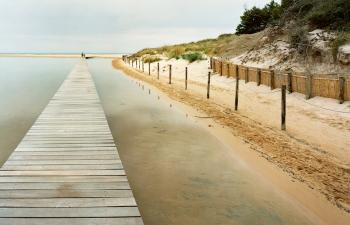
(298, 192)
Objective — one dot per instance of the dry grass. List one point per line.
(224, 45)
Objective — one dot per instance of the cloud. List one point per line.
(127, 25)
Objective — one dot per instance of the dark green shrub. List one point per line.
(193, 56)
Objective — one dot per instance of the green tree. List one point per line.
(255, 19)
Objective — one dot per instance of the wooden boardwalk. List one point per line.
(66, 170)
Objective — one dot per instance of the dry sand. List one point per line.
(313, 150)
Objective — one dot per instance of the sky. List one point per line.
(118, 26)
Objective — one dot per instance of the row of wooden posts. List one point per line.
(340, 86)
(139, 64)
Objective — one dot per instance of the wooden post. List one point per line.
(136, 63)
(237, 87)
(169, 74)
(228, 69)
(341, 89)
(290, 87)
(308, 87)
(132, 63)
(149, 68)
(246, 75)
(272, 79)
(283, 108)
(258, 82)
(221, 68)
(208, 85)
(211, 62)
(158, 71)
(186, 74)
(143, 66)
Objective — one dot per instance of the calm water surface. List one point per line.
(26, 86)
(180, 174)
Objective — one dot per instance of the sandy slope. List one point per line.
(314, 149)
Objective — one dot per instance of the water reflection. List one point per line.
(180, 174)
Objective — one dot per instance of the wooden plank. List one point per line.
(69, 153)
(63, 173)
(65, 193)
(63, 162)
(59, 157)
(69, 212)
(80, 179)
(65, 186)
(63, 167)
(72, 221)
(67, 202)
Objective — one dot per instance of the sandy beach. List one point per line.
(316, 159)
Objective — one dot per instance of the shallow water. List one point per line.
(180, 174)
(26, 86)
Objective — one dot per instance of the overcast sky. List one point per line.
(113, 25)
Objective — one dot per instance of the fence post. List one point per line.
(221, 68)
(136, 63)
(290, 87)
(169, 74)
(246, 75)
(341, 89)
(143, 66)
(132, 63)
(272, 79)
(139, 64)
(308, 88)
(283, 108)
(211, 62)
(228, 69)
(149, 68)
(259, 77)
(186, 74)
(208, 85)
(237, 87)
(158, 70)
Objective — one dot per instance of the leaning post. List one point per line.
(237, 87)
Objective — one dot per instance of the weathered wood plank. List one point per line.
(67, 202)
(64, 167)
(69, 212)
(72, 221)
(63, 173)
(65, 193)
(120, 185)
(63, 162)
(80, 179)
(59, 157)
